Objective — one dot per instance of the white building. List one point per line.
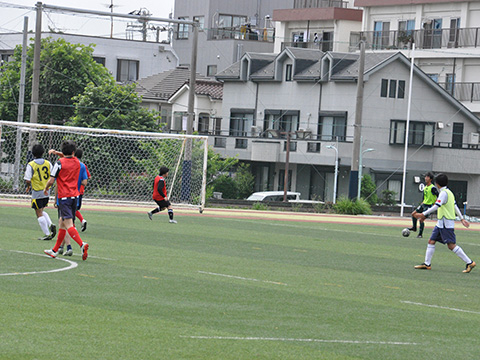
(312, 95)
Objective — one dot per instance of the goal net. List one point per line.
(122, 164)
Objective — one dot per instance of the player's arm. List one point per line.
(55, 152)
(28, 177)
(435, 191)
(460, 215)
(53, 176)
(49, 185)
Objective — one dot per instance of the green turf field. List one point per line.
(222, 288)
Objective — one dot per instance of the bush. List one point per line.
(226, 186)
(260, 206)
(244, 181)
(388, 197)
(369, 190)
(352, 207)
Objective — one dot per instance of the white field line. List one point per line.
(96, 257)
(299, 340)
(242, 278)
(440, 307)
(73, 265)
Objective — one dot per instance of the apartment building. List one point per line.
(309, 96)
(446, 36)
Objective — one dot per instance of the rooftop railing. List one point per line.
(302, 4)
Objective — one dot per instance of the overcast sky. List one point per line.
(11, 19)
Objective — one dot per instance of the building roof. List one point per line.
(363, 3)
(346, 65)
(211, 88)
(162, 86)
(315, 14)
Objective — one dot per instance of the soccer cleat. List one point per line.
(53, 230)
(469, 267)
(60, 250)
(149, 215)
(84, 225)
(412, 228)
(46, 237)
(51, 253)
(419, 236)
(172, 221)
(423, 266)
(84, 251)
(69, 252)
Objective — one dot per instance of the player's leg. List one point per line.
(427, 264)
(414, 222)
(170, 213)
(156, 210)
(79, 216)
(420, 231)
(452, 245)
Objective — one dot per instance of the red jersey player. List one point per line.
(160, 195)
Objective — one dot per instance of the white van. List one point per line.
(273, 196)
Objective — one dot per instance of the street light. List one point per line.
(360, 170)
(336, 172)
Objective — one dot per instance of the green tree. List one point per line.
(65, 71)
(244, 181)
(369, 190)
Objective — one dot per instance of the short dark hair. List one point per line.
(37, 151)
(441, 180)
(430, 175)
(164, 170)
(69, 147)
(79, 153)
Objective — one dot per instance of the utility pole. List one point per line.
(357, 131)
(21, 105)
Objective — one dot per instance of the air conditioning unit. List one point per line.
(256, 131)
(473, 139)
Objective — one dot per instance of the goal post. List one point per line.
(123, 164)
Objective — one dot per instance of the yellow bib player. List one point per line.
(36, 176)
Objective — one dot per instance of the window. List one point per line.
(127, 70)
(332, 126)
(179, 122)
(281, 180)
(293, 146)
(381, 34)
(281, 121)
(313, 147)
(450, 84)
(454, 32)
(241, 143)
(201, 22)
(401, 89)
(457, 135)
(211, 70)
(220, 142)
(434, 77)
(99, 60)
(432, 35)
(241, 121)
(420, 133)
(406, 27)
(182, 30)
(230, 26)
(288, 72)
(394, 89)
(203, 123)
(395, 186)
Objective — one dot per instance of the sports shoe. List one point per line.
(84, 225)
(419, 236)
(172, 221)
(423, 266)
(412, 228)
(469, 267)
(69, 252)
(46, 237)
(53, 230)
(51, 253)
(60, 250)
(149, 215)
(84, 251)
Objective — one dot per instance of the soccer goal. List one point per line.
(123, 164)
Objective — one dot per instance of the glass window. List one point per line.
(393, 89)
(99, 60)
(182, 30)
(401, 89)
(420, 133)
(395, 186)
(332, 127)
(384, 88)
(127, 70)
(241, 122)
(201, 22)
(211, 70)
(288, 72)
(282, 121)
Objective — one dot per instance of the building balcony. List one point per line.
(318, 45)
(423, 39)
(242, 33)
(463, 91)
(301, 4)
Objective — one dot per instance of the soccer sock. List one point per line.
(429, 254)
(414, 222)
(170, 214)
(49, 222)
(79, 216)
(422, 226)
(43, 225)
(72, 231)
(60, 238)
(69, 247)
(461, 254)
(156, 210)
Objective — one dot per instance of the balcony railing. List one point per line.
(424, 39)
(242, 33)
(302, 4)
(319, 45)
(463, 91)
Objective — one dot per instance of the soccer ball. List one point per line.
(406, 232)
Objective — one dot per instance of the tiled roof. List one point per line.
(211, 88)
